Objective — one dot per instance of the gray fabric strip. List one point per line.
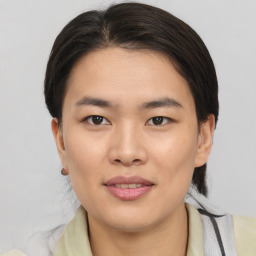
(224, 223)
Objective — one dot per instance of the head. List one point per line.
(131, 34)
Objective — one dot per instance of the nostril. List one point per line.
(127, 161)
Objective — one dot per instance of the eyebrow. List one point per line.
(163, 102)
(85, 101)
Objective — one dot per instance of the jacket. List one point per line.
(237, 235)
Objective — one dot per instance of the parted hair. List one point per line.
(136, 26)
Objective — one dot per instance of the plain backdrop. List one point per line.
(33, 194)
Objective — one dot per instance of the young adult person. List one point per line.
(134, 98)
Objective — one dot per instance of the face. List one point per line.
(129, 137)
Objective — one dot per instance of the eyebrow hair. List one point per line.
(164, 102)
(93, 101)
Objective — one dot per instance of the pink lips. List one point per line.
(143, 186)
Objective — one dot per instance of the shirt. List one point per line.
(75, 241)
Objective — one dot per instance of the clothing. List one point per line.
(13, 253)
(237, 235)
(74, 240)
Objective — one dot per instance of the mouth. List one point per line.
(129, 185)
(128, 188)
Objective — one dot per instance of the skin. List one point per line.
(128, 143)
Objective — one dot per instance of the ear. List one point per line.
(205, 139)
(57, 133)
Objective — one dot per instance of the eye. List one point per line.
(158, 120)
(97, 120)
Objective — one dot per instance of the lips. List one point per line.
(128, 188)
(128, 180)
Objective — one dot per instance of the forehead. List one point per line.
(118, 74)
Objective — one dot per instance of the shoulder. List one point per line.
(13, 253)
(235, 232)
(245, 235)
(247, 225)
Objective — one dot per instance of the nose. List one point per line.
(127, 146)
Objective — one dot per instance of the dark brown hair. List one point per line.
(136, 26)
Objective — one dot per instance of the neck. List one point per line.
(170, 237)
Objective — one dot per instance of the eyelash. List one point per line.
(163, 120)
(96, 116)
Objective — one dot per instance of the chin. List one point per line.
(130, 226)
(130, 221)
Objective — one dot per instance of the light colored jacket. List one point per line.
(75, 241)
(13, 253)
(237, 235)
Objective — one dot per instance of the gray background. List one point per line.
(33, 194)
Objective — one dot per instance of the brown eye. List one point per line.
(158, 120)
(97, 120)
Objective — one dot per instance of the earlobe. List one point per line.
(205, 139)
(57, 133)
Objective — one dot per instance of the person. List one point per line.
(133, 94)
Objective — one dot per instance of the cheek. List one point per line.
(83, 151)
(84, 172)
(175, 155)
(85, 160)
